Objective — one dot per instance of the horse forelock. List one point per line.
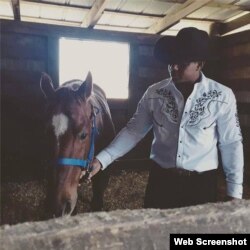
(72, 84)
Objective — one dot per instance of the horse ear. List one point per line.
(85, 90)
(46, 85)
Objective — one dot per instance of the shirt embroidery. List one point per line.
(170, 104)
(201, 108)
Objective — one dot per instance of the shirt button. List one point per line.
(180, 141)
(179, 156)
(186, 112)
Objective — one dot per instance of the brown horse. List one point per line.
(80, 121)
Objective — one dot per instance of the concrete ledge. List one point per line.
(127, 229)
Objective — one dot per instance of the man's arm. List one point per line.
(127, 138)
(231, 148)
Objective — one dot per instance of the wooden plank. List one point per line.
(119, 28)
(235, 24)
(75, 7)
(18, 85)
(237, 84)
(225, 5)
(244, 120)
(243, 96)
(20, 77)
(16, 9)
(151, 61)
(235, 62)
(75, 32)
(242, 73)
(50, 21)
(53, 6)
(25, 46)
(170, 20)
(151, 75)
(246, 142)
(233, 39)
(23, 64)
(134, 15)
(236, 50)
(145, 50)
(243, 108)
(94, 14)
(124, 20)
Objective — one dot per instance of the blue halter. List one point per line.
(83, 164)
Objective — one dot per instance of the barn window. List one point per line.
(107, 61)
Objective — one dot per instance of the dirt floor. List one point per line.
(25, 201)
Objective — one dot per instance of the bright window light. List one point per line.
(107, 61)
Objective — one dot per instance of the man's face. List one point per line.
(184, 72)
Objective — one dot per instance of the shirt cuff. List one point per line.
(104, 158)
(234, 190)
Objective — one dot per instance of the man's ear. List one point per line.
(201, 64)
(85, 90)
(46, 85)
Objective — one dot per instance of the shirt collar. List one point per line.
(202, 81)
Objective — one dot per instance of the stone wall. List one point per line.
(127, 229)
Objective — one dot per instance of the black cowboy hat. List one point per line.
(190, 44)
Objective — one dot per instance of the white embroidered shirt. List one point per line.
(186, 135)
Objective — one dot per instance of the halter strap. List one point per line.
(73, 162)
(84, 164)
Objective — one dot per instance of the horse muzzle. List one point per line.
(65, 207)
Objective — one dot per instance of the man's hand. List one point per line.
(96, 166)
(81, 179)
(86, 176)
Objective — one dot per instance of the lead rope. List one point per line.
(94, 132)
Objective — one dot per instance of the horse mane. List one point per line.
(100, 96)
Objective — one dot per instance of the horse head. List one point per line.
(70, 120)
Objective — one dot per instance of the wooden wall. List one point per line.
(23, 58)
(234, 71)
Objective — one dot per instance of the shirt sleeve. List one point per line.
(137, 127)
(231, 148)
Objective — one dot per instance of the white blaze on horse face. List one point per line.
(60, 123)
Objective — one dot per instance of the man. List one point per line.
(192, 117)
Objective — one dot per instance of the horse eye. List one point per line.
(83, 135)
